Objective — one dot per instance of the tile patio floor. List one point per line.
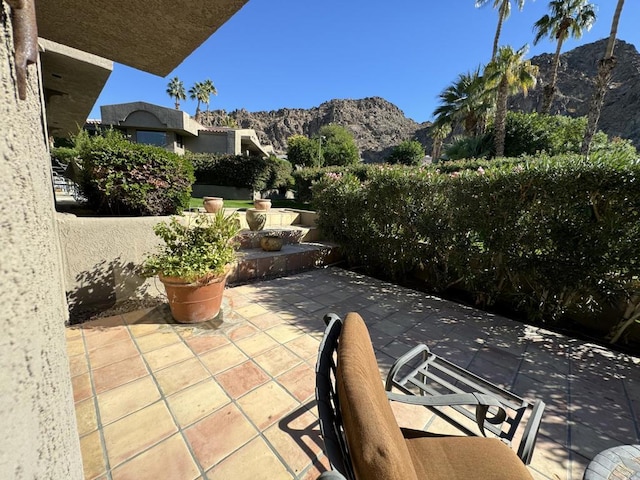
(159, 400)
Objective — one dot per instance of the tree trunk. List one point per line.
(501, 116)
(177, 104)
(437, 148)
(605, 72)
(496, 39)
(550, 89)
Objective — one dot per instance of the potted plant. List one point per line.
(194, 262)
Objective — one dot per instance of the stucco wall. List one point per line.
(37, 421)
(101, 257)
(207, 143)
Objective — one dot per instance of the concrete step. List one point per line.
(256, 264)
(290, 235)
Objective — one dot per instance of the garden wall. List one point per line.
(101, 256)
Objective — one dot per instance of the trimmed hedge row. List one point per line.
(555, 238)
(256, 173)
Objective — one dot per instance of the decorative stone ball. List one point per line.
(271, 243)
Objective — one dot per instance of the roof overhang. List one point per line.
(150, 35)
(157, 118)
(72, 80)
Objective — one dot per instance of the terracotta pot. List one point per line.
(256, 219)
(213, 204)
(271, 243)
(193, 302)
(262, 204)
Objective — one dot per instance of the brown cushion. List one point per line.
(376, 445)
(462, 458)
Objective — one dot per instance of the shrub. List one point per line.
(338, 146)
(304, 178)
(409, 152)
(470, 147)
(256, 173)
(123, 178)
(303, 151)
(557, 238)
(64, 155)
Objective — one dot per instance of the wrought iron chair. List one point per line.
(362, 438)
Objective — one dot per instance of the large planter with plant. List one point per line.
(194, 262)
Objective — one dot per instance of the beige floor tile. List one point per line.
(267, 320)
(166, 356)
(99, 338)
(119, 373)
(298, 442)
(72, 332)
(196, 402)
(219, 434)
(223, 358)
(169, 459)
(267, 404)
(204, 343)
(305, 347)
(131, 435)
(277, 360)
(101, 324)
(81, 387)
(78, 365)
(256, 344)
(148, 316)
(254, 461)
(284, 333)
(157, 340)
(75, 346)
(250, 311)
(93, 462)
(299, 382)
(319, 466)
(86, 416)
(241, 379)
(121, 401)
(142, 329)
(181, 375)
(112, 353)
(242, 332)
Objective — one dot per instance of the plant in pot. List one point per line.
(194, 262)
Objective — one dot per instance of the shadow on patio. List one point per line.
(234, 399)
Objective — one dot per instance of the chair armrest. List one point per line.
(481, 400)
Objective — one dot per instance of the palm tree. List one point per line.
(439, 131)
(504, 10)
(201, 94)
(175, 89)
(508, 74)
(605, 70)
(465, 102)
(211, 90)
(567, 18)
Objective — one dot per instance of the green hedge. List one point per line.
(122, 178)
(256, 173)
(555, 238)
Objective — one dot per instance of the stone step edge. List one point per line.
(290, 235)
(255, 264)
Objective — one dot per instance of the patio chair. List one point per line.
(362, 438)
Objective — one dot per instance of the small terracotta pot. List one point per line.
(256, 219)
(271, 243)
(213, 204)
(262, 204)
(191, 302)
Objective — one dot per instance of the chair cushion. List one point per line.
(461, 458)
(376, 445)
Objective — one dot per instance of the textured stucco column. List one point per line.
(38, 435)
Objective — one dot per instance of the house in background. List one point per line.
(177, 131)
(48, 87)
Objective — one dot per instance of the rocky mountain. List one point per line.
(620, 115)
(378, 125)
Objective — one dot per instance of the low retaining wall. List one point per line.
(101, 257)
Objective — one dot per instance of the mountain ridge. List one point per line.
(378, 125)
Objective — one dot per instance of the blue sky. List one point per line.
(298, 54)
